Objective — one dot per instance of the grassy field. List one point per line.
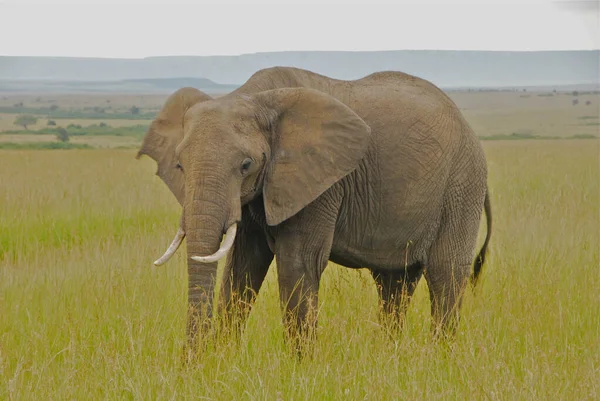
(547, 114)
(7, 122)
(84, 315)
(492, 114)
(78, 104)
(79, 101)
(97, 141)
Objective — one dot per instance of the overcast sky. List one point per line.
(137, 28)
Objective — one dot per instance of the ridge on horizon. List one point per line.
(449, 68)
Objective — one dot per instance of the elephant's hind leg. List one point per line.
(395, 290)
(446, 287)
(449, 261)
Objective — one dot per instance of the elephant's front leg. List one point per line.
(298, 292)
(245, 271)
(303, 245)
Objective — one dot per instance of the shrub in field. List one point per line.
(62, 135)
(25, 119)
(51, 123)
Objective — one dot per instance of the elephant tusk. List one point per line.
(172, 248)
(225, 247)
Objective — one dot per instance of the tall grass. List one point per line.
(84, 315)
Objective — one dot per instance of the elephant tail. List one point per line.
(480, 259)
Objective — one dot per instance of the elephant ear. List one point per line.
(165, 133)
(316, 140)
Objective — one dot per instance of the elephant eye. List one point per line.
(178, 166)
(246, 165)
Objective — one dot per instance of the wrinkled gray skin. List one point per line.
(381, 173)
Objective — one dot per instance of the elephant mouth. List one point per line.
(218, 255)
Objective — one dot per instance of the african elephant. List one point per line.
(382, 173)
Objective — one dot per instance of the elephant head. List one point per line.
(287, 146)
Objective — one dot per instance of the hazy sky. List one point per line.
(137, 28)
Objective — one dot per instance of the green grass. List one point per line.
(84, 315)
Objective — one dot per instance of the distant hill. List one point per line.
(145, 85)
(449, 69)
(177, 82)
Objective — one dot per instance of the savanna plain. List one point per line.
(85, 315)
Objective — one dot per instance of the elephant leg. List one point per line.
(449, 262)
(245, 271)
(395, 290)
(303, 245)
(299, 297)
(446, 287)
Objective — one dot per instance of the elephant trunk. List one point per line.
(206, 217)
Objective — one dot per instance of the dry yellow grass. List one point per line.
(85, 316)
(105, 141)
(504, 113)
(25, 138)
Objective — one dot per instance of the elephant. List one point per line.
(382, 173)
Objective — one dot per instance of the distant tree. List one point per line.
(18, 105)
(25, 119)
(575, 93)
(99, 110)
(51, 122)
(575, 102)
(134, 110)
(62, 135)
(54, 107)
(103, 124)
